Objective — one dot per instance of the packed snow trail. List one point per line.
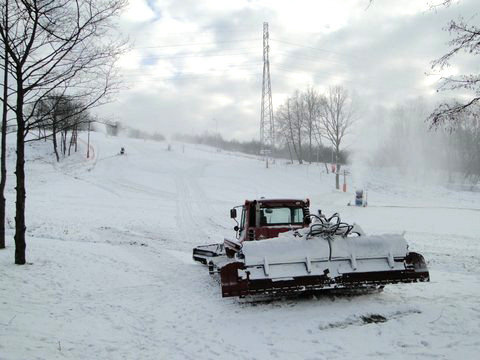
(110, 240)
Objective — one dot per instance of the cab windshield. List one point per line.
(281, 216)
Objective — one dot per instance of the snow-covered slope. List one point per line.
(110, 240)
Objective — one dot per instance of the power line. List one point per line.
(283, 53)
(193, 44)
(313, 48)
(197, 54)
(189, 55)
(139, 72)
(249, 75)
(187, 77)
(210, 31)
(309, 58)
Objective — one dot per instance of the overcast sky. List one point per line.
(197, 64)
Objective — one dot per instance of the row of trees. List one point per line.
(410, 146)
(60, 115)
(216, 140)
(310, 119)
(319, 153)
(53, 53)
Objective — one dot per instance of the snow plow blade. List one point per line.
(232, 285)
(286, 266)
(205, 253)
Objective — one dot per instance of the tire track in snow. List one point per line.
(203, 202)
(66, 171)
(73, 168)
(190, 228)
(146, 190)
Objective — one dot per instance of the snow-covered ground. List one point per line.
(111, 275)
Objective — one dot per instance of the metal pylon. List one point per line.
(267, 126)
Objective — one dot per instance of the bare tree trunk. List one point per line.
(54, 139)
(72, 140)
(20, 227)
(70, 145)
(337, 177)
(76, 138)
(296, 151)
(300, 154)
(310, 140)
(337, 168)
(292, 133)
(290, 151)
(3, 167)
(64, 142)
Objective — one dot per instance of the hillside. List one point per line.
(109, 240)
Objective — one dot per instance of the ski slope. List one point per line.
(109, 240)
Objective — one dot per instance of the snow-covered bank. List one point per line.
(110, 240)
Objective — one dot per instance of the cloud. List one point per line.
(139, 11)
(194, 61)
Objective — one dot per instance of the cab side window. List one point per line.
(297, 215)
(242, 221)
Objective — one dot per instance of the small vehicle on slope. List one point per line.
(280, 248)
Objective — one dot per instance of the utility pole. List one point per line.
(267, 126)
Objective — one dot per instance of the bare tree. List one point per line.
(298, 121)
(290, 127)
(283, 126)
(466, 39)
(311, 105)
(335, 121)
(317, 126)
(59, 114)
(61, 46)
(298, 107)
(3, 155)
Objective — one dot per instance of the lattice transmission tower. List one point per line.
(267, 126)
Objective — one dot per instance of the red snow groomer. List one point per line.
(280, 248)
